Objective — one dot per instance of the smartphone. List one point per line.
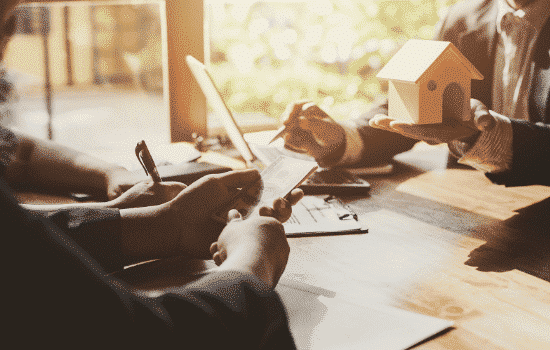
(276, 181)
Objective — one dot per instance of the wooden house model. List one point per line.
(428, 77)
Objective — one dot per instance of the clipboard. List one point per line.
(323, 216)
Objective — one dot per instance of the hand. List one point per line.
(147, 193)
(118, 181)
(190, 212)
(257, 245)
(310, 130)
(451, 129)
(282, 208)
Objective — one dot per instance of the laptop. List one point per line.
(334, 181)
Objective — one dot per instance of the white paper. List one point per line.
(320, 320)
(314, 215)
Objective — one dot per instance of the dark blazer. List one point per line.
(56, 294)
(471, 27)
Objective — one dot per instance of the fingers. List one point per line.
(310, 130)
(238, 178)
(267, 211)
(483, 120)
(282, 208)
(324, 131)
(295, 196)
(381, 121)
(219, 257)
(292, 111)
(233, 215)
(311, 110)
(315, 134)
(216, 254)
(295, 148)
(430, 135)
(213, 248)
(303, 141)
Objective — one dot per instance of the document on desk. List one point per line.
(322, 215)
(321, 320)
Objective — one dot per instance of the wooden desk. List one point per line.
(447, 244)
(444, 243)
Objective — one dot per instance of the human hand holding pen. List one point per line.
(288, 118)
(150, 192)
(308, 129)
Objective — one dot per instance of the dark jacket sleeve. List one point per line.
(57, 294)
(96, 231)
(8, 148)
(530, 156)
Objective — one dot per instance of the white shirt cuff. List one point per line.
(492, 152)
(354, 143)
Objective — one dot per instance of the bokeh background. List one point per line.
(265, 55)
(108, 71)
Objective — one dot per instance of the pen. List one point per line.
(280, 133)
(284, 128)
(146, 161)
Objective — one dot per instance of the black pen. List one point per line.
(146, 161)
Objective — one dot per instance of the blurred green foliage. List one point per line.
(265, 55)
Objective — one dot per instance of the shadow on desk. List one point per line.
(456, 200)
(522, 243)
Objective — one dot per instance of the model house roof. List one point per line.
(415, 57)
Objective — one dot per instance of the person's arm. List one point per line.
(181, 226)
(489, 151)
(354, 142)
(530, 156)
(143, 194)
(57, 289)
(232, 309)
(48, 165)
(252, 255)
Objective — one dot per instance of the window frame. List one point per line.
(187, 105)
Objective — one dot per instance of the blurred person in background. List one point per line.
(508, 42)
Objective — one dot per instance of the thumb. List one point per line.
(234, 215)
(483, 120)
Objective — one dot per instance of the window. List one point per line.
(262, 55)
(266, 54)
(105, 73)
